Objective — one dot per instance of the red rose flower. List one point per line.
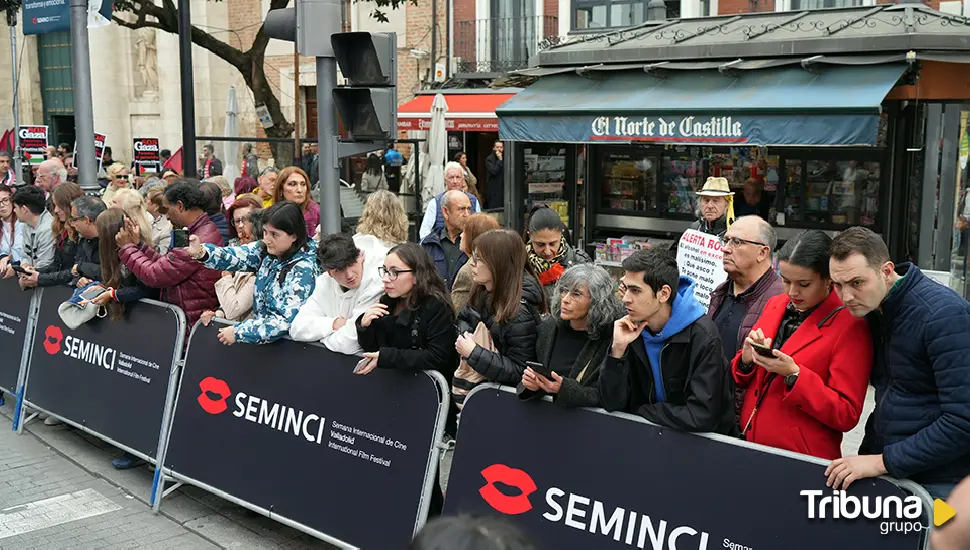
(551, 275)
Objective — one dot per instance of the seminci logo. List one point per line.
(576, 511)
(217, 387)
(512, 477)
(53, 337)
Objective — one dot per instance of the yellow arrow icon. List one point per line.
(942, 512)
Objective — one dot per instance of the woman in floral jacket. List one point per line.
(286, 272)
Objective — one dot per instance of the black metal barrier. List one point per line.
(114, 379)
(287, 430)
(589, 479)
(15, 310)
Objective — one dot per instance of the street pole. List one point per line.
(327, 134)
(84, 160)
(12, 23)
(297, 156)
(189, 157)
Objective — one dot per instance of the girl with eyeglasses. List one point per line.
(412, 327)
(11, 234)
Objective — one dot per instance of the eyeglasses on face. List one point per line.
(240, 220)
(5, 201)
(392, 273)
(737, 241)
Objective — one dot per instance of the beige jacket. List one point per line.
(462, 288)
(235, 293)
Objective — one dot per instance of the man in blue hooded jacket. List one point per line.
(666, 362)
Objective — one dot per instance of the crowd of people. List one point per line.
(782, 356)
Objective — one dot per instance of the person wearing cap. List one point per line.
(716, 207)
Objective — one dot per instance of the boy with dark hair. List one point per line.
(30, 206)
(348, 286)
(920, 429)
(666, 362)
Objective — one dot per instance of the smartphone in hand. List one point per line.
(762, 350)
(361, 364)
(540, 368)
(180, 238)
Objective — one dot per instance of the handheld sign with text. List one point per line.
(582, 479)
(148, 155)
(699, 256)
(33, 141)
(99, 140)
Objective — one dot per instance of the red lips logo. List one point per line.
(52, 339)
(513, 477)
(219, 387)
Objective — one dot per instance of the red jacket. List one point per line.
(826, 401)
(185, 282)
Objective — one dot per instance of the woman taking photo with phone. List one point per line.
(412, 327)
(574, 341)
(497, 328)
(806, 363)
(286, 272)
(121, 284)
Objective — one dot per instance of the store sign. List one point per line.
(699, 256)
(695, 129)
(717, 129)
(451, 124)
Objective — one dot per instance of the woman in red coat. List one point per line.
(810, 390)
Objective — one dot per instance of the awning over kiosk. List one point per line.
(818, 105)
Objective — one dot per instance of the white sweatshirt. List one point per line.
(329, 301)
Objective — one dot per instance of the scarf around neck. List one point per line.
(548, 271)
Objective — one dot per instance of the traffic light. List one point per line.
(367, 106)
(309, 24)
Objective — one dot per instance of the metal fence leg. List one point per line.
(29, 336)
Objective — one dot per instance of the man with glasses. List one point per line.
(50, 174)
(737, 303)
(444, 246)
(349, 284)
(87, 259)
(434, 220)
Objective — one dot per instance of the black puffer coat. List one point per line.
(515, 340)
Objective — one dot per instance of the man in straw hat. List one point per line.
(717, 207)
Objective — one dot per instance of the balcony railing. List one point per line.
(501, 44)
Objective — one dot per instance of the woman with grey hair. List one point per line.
(573, 342)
